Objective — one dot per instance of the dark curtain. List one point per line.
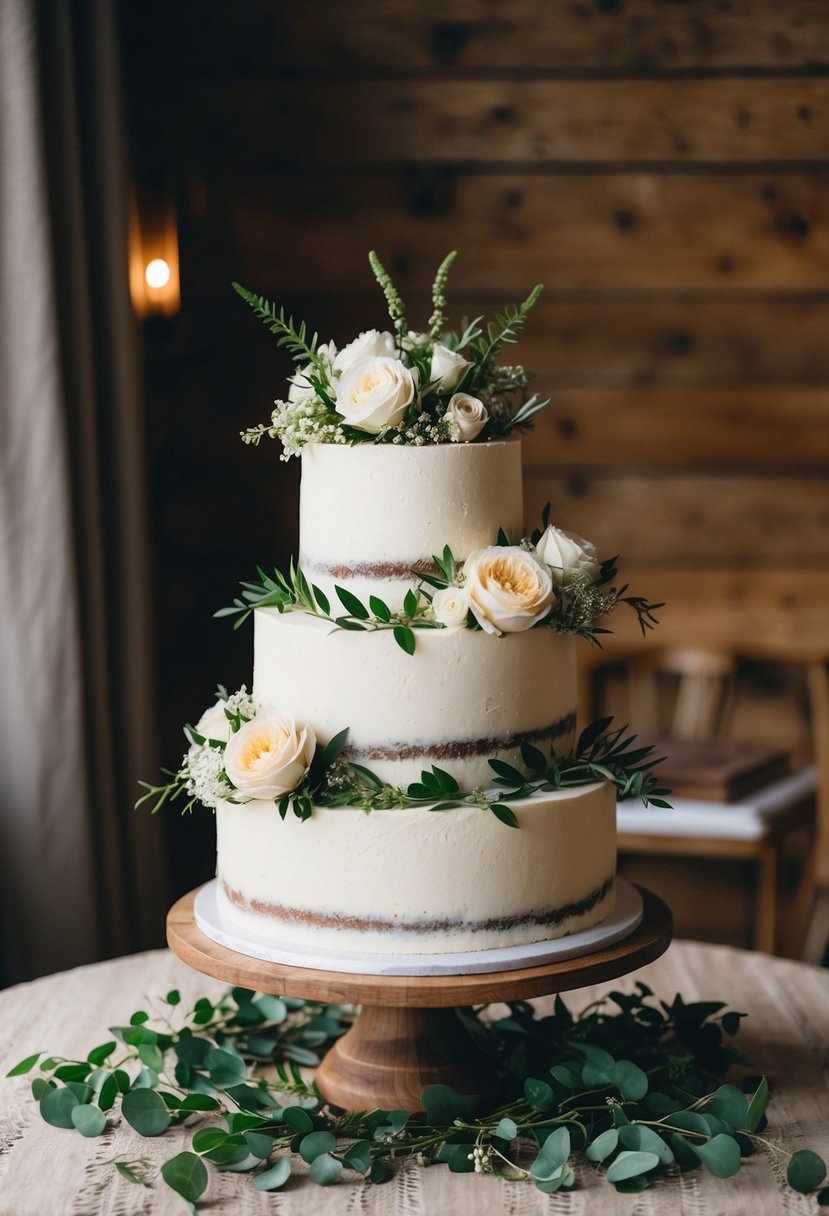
(82, 874)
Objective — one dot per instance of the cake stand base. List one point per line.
(387, 1058)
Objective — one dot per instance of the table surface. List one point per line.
(45, 1171)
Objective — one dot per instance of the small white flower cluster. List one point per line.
(244, 703)
(204, 769)
(481, 1155)
(306, 420)
(425, 430)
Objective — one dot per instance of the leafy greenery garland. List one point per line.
(628, 1088)
(601, 754)
(578, 606)
(499, 385)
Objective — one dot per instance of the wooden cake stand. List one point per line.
(387, 1058)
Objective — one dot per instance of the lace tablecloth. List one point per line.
(45, 1171)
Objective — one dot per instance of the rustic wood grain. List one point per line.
(656, 518)
(705, 428)
(776, 614)
(640, 35)
(581, 232)
(572, 339)
(492, 122)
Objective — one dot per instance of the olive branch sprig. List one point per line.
(629, 1087)
(285, 592)
(335, 780)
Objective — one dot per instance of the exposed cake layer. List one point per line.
(419, 882)
(369, 513)
(463, 697)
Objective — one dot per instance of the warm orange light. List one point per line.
(157, 273)
(153, 260)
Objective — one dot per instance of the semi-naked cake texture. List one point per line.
(369, 515)
(412, 880)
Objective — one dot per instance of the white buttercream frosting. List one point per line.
(420, 881)
(366, 507)
(460, 687)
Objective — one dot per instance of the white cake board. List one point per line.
(618, 925)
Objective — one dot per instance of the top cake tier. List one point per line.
(369, 514)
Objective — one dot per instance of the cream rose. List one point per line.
(268, 756)
(213, 724)
(566, 554)
(369, 345)
(467, 417)
(508, 588)
(375, 393)
(450, 606)
(447, 368)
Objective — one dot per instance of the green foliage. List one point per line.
(629, 1086)
(314, 416)
(286, 592)
(397, 311)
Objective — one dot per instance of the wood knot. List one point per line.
(448, 40)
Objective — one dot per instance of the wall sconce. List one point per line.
(155, 286)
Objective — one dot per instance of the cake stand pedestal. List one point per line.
(387, 1059)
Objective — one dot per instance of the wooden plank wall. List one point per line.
(661, 166)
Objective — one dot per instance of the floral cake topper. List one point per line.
(403, 387)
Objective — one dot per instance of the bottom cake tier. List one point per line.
(415, 881)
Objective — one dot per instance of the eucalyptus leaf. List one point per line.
(605, 1143)
(720, 1155)
(507, 1129)
(325, 1169)
(315, 1144)
(89, 1120)
(806, 1170)
(187, 1175)
(273, 1178)
(730, 1105)
(630, 1164)
(56, 1107)
(146, 1112)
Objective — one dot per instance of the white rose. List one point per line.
(447, 368)
(269, 756)
(213, 724)
(450, 605)
(299, 385)
(508, 588)
(370, 345)
(375, 393)
(467, 417)
(566, 553)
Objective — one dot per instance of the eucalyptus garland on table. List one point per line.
(306, 776)
(629, 1088)
(569, 590)
(402, 387)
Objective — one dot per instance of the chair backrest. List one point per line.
(774, 615)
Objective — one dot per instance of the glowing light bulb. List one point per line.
(157, 273)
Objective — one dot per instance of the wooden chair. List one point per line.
(712, 620)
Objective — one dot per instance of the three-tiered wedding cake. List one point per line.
(404, 777)
(410, 879)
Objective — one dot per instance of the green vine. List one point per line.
(630, 1087)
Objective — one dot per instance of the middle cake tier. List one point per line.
(461, 699)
